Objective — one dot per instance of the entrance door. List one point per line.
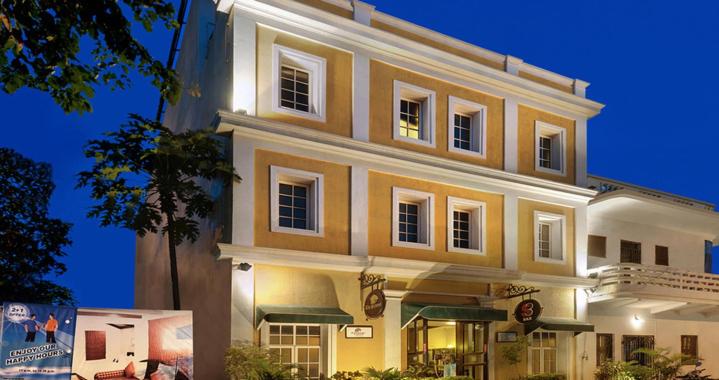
(472, 355)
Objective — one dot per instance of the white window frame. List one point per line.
(315, 199)
(325, 341)
(425, 219)
(478, 114)
(558, 135)
(428, 100)
(531, 351)
(317, 69)
(556, 220)
(477, 225)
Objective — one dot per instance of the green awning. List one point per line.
(301, 314)
(559, 324)
(450, 313)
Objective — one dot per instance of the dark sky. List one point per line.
(651, 62)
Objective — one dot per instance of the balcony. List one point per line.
(657, 288)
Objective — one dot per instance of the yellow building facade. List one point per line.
(371, 148)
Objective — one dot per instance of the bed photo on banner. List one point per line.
(36, 341)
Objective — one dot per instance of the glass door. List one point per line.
(472, 338)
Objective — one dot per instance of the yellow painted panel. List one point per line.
(527, 118)
(525, 249)
(382, 77)
(295, 286)
(339, 82)
(380, 221)
(336, 211)
(320, 4)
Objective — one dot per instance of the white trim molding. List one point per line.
(428, 111)
(556, 222)
(478, 129)
(315, 200)
(558, 135)
(477, 225)
(317, 69)
(425, 217)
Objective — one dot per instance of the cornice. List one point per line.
(259, 128)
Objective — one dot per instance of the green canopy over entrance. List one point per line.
(450, 313)
(559, 324)
(301, 314)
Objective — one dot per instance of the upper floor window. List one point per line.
(630, 252)
(296, 201)
(466, 232)
(661, 255)
(549, 237)
(550, 148)
(412, 218)
(299, 83)
(467, 127)
(597, 246)
(414, 114)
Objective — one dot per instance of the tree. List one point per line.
(31, 242)
(42, 47)
(146, 179)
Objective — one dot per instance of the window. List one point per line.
(297, 345)
(414, 114)
(298, 83)
(412, 218)
(690, 348)
(467, 127)
(550, 146)
(708, 245)
(597, 246)
(466, 220)
(296, 201)
(543, 352)
(661, 255)
(549, 236)
(630, 252)
(605, 348)
(631, 343)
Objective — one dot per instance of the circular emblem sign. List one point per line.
(374, 304)
(527, 311)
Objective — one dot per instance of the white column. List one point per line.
(511, 221)
(393, 329)
(580, 136)
(243, 193)
(580, 238)
(244, 81)
(511, 133)
(360, 97)
(242, 310)
(359, 210)
(581, 348)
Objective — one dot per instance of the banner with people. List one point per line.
(37, 341)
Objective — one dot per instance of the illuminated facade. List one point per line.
(369, 145)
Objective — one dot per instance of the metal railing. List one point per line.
(606, 185)
(659, 277)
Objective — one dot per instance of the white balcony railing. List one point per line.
(659, 280)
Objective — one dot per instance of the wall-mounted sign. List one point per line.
(506, 336)
(527, 311)
(374, 304)
(358, 332)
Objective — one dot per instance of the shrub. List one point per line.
(611, 370)
(347, 375)
(387, 374)
(249, 362)
(547, 376)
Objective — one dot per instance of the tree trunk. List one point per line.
(173, 262)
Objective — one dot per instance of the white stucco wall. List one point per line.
(686, 251)
(667, 334)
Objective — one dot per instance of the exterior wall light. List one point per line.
(637, 321)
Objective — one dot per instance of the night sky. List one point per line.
(651, 62)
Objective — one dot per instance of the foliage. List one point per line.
(611, 370)
(347, 375)
(513, 353)
(31, 242)
(387, 374)
(41, 47)
(249, 362)
(145, 178)
(547, 376)
(418, 371)
(662, 365)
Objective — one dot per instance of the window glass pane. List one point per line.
(408, 222)
(409, 119)
(293, 206)
(294, 86)
(462, 132)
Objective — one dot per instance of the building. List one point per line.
(651, 252)
(442, 176)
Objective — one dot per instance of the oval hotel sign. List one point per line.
(374, 304)
(527, 311)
